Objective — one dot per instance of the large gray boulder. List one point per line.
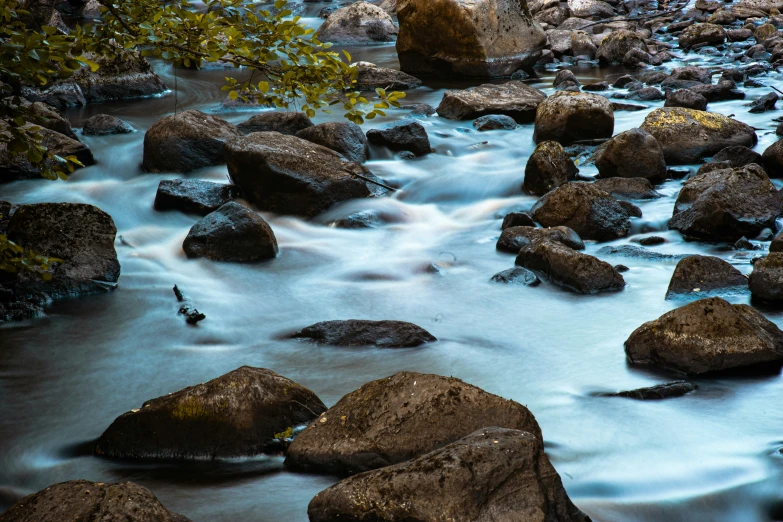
(515, 99)
(358, 23)
(634, 153)
(567, 117)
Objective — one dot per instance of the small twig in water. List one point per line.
(192, 316)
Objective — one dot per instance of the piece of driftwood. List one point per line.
(186, 308)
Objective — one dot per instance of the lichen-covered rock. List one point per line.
(283, 122)
(706, 336)
(464, 38)
(515, 99)
(702, 275)
(193, 195)
(634, 153)
(105, 124)
(237, 414)
(423, 411)
(233, 232)
(615, 46)
(726, 204)
(370, 77)
(85, 501)
(688, 136)
(514, 238)
(356, 332)
(186, 141)
(547, 168)
(702, 34)
(406, 135)
(506, 471)
(567, 117)
(627, 188)
(358, 23)
(766, 280)
(344, 137)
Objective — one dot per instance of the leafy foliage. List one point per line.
(14, 258)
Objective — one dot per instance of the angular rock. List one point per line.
(514, 238)
(371, 77)
(515, 99)
(237, 414)
(193, 195)
(627, 188)
(105, 124)
(706, 336)
(547, 168)
(766, 280)
(702, 34)
(617, 44)
(355, 332)
(567, 117)
(659, 391)
(765, 103)
(344, 137)
(358, 23)
(494, 122)
(403, 135)
(632, 154)
(517, 276)
(512, 219)
(722, 91)
(702, 275)
(276, 121)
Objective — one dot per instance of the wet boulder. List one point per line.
(233, 232)
(764, 103)
(344, 137)
(702, 34)
(464, 38)
(586, 209)
(121, 75)
(515, 99)
(506, 471)
(105, 124)
(517, 276)
(628, 188)
(423, 411)
(569, 269)
(371, 77)
(547, 168)
(721, 91)
(512, 219)
(193, 195)
(726, 204)
(276, 121)
(514, 238)
(186, 141)
(692, 73)
(567, 117)
(494, 122)
(85, 501)
(688, 136)
(703, 275)
(355, 332)
(237, 414)
(591, 9)
(706, 336)
(582, 45)
(667, 390)
(772, 159)
(358, 23)
(739, 156)
(766, 280)
(634, 153)
(617, 44)
(406, 135)
(289, 175)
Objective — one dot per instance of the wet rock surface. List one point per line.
(702, 275)
(517, 276)
(402, 136)
(766, 280)
(370, 77)
(634, 153)
(105, 124)
(514, 238)
(666, 390)
(194, 196)
(628, 188)
(547, 168)
(515, 99)
(276, 121)
(567, 117)
(346, 138)
(382, 334)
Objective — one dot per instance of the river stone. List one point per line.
(569, 269)
(687, 136)
(515, 99)
(105, 124)
(356, 332)
(276, 121)
(85, 501)
(706, 336)
(514, 238)
(494, 122)
(237, 414)
(494, 474)
(517, 276)
(772, 159)
(186, 141)
(666, 390)
(739, 156)
(423, 411)
(722, 91)
(370, 77)
(567, 117)
(193, 195)
(464, 38)
(288, 175)
(726, 204)
(233, 232)
(590, 9)
(82, 236)
(693, 74)
(702, 275)
(512, 219)
(358, 23)
(406, 135)
(627, 188)
(766, 280)
(636, 252)
(552, 16)
(617, 44)
(344, 137)
(547, 168)
(121, 75)
(632, 154)
(588, 210)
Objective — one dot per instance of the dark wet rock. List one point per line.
(597, 87)
(777, 243)
(739, 35)
(494, 122)
(193, 195)
(121, 76)
(405, 135)
(706, 336)
(616, 106)
(515, 99)
(616, 45)
(48, 117)
(462, 38)
(288, 175)
(81, 236)
(344, 137)
(237, 414)
(702, 34)
(233, 232)
(635, 252)
(517, 276)
(772, 159)
(765, 103)
(276, 121)
(744, 243)
(585, 208)
(506, 470)
(621, 268)
(355, 332)
(632, 154)
(639, 58)
(104, 124)
(358, 23)
(713, 165)
(60, 95)
(672, 84)
(547, 168)
(186, 141)
(645, 94)
(666, 390)
(766, 280)
(514, 238)
(85, 501)
(693, 74)
(687, 136)
(725, 205)
(628, 188)
(421, 109)
(16, 166)
(721, 91)
(360, 219)
(370, 77)
(738, 156)
(652, 241)
(631, 209)
(569, 269)
(702, 275)
(623, 81)
(563, 76)
(567, 117)
(512, 219)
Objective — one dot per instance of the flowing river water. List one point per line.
(714, 454)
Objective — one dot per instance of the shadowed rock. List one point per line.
(344, 137)
(193, 195)
(766, 280)
(355, 332)
(547, 168)
(627, 188)
(105, 124)
(514, 238)
(288, 123)
(702, 275)
(632, 154)
(370, 77)
(405, 135)
(666, 390)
